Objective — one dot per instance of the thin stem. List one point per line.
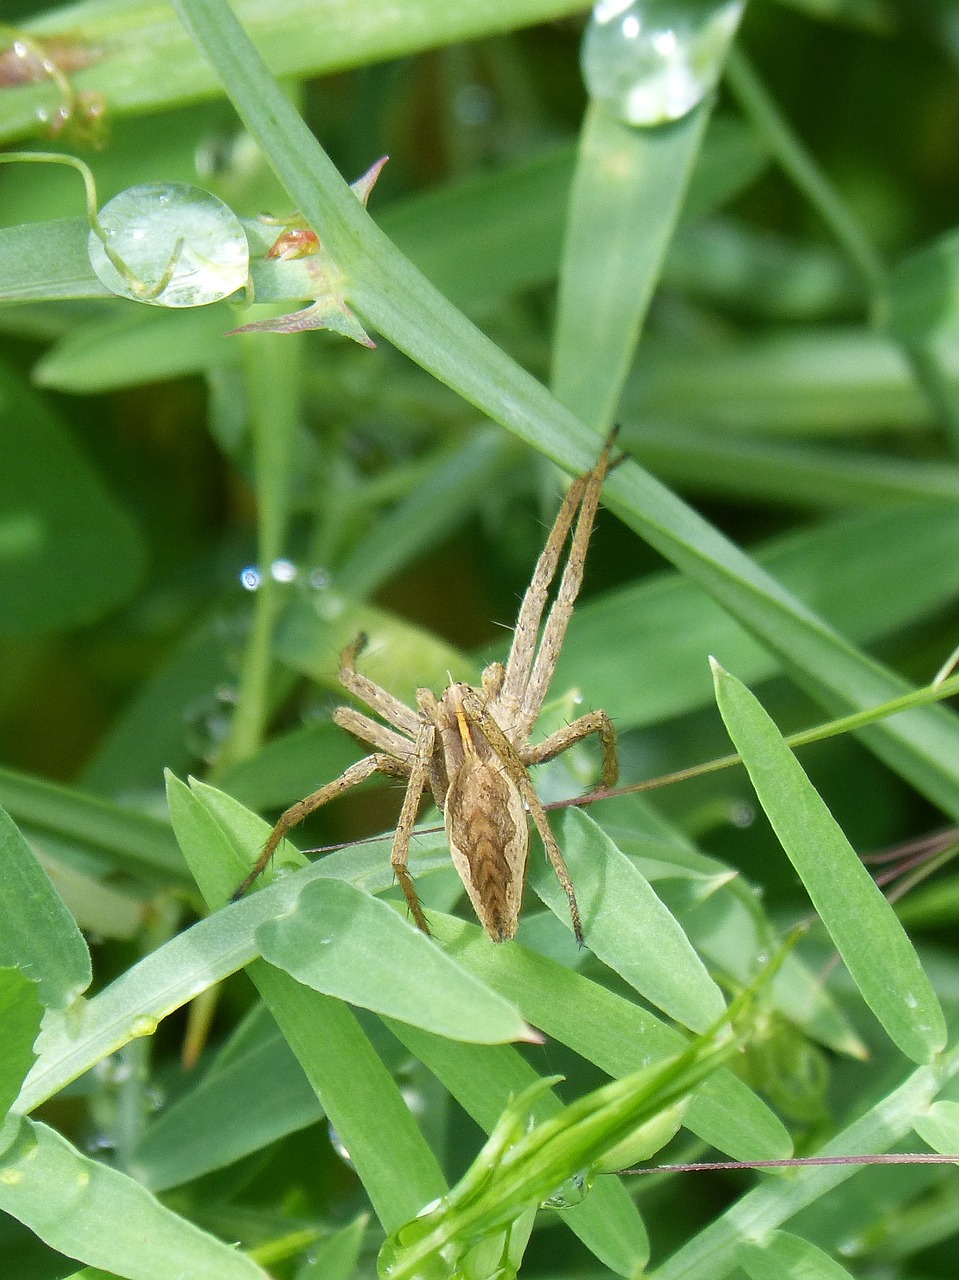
(271, 364)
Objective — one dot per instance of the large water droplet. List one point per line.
(170, 245)
(654, 60)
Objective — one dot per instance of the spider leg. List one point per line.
(419, 776)
(517, 772)
(351, 777)
(523, 649)
(397, 713)
(372, 734)
(560, 741)
(557, 621)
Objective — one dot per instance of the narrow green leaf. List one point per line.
(336, 1257)
(100, 1216)
(871, 941)
(627, 926)
(626, 198)
(117, 837)
(37, 933)
(20, 1014)
(198, 1133)
(345, 943)
(784, 1256)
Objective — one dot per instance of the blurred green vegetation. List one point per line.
(796, 382)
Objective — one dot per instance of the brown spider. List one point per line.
(471, 746)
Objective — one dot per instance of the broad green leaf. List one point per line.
(484, 1081)
(58, 524)
(37, 933)
(627, 926)
(100, 1216)
(783, 1256)
(617, 1035)
(20, 1014)
(625, 201)
(345, 943)
(354, 1088)
(875, 949)
(939, 1127)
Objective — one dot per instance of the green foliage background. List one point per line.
(765, 296)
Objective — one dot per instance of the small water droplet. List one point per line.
(741, 814)
(573, 1191)
(250, 578)
(911, 1001)
(339, 1146)
(283, 571)
(655, 60)
(319, 579)
(144, 1025)
(174, 245)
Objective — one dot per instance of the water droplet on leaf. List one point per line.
(655, 60)
(170, 245)
(573, 1191)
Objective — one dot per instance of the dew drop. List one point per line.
(339, 1146)
(573, 1191)
(655, 60)
(250, 578)
(283, 571)
(171, 245)
(144, 1025)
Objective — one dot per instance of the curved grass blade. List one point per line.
(874, 947)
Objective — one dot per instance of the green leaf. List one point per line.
(880, 958)
(354, 1088)
(37, 933)
(627, 926)
(783, 1256)
(20, 1014)
(345, 943)
(336, 1257)
(923, 292)
(939, 1127)
(608, 1030)
(104, 1218)
(198, 1133)
(625, 202)
(58, 525)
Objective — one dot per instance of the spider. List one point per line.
(471, 746)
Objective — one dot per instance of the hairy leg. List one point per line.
(419, 776)
(373, 734)
(368, 691)
(351, 777)
(554, 631)
(560, 741)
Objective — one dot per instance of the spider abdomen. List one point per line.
(489, 842)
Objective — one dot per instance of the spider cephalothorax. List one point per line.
(471, 746)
